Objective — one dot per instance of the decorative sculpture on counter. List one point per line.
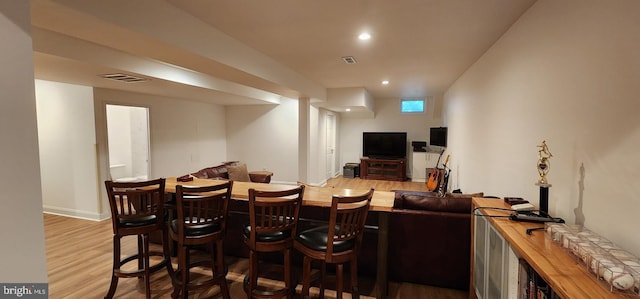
(543, 162)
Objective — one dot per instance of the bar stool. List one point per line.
(201, 221)
(345, 230)
(273, 218)
(137, 209)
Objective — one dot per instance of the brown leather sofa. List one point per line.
(222, 172)
(429, 238)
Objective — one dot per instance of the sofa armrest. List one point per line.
(260, 176)
(214, 172)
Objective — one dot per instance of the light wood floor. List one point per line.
(79, 257)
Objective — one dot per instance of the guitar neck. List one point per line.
(446, 161)
(439, 157)
(442, 188)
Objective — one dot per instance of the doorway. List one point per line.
(128, 140)
(331, 145)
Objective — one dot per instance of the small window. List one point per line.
(412, 106)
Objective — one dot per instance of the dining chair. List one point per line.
(201, 222)
(137, 210)
(273, 218)
(336, 243)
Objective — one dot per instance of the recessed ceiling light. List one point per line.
(364, 36)
(348, 109)
(385, 82)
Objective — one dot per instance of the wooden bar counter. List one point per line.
(381, 202)
(566, 276)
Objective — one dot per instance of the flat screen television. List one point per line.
(383, 145)
(438, 136)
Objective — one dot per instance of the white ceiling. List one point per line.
(236, 52)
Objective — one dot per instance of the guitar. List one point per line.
(442, 189)
(434, 176)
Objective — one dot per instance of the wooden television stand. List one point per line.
(383, 169)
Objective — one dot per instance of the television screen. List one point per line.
(384, 144)
(438, 136)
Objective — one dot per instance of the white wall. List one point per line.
(566, 72)
(387, 119)
(66, 135)
(185, 136)
(265, 137)
(22, 249)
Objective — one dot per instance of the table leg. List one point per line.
(383, 249)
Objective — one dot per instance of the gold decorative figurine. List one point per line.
(543, 163)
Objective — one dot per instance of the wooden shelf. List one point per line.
(383, 169)
(567, 277)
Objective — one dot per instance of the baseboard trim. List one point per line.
(75, 213)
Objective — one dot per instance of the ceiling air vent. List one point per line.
(349, 60)
(123, 78)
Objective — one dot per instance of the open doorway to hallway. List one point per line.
(128, 139)
(331, 145)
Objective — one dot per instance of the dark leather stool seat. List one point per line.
(137, 222)
(267, 236)
(196, 230)
(316, 238)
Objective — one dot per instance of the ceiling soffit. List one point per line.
(129, 34)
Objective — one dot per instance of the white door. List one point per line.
(331, 145)
(128, 139)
